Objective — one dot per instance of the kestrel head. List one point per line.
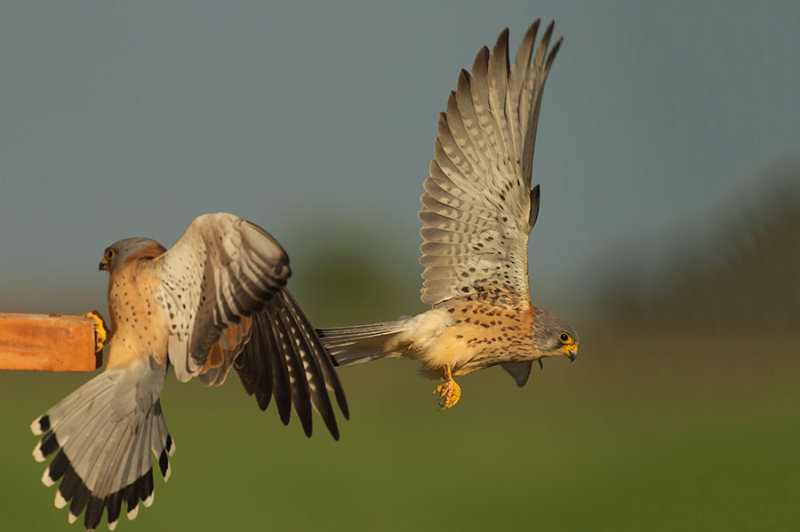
(117, 253)
(553, 335)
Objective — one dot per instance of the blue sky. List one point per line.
(317, 120)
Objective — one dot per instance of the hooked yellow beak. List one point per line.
(571, 351)
(103, 266)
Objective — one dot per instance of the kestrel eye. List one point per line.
(565, 338)
(109, 254)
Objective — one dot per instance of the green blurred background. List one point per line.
(669, 235)
(682, 412)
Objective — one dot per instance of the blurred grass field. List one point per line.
(682, 412)
(645, 431)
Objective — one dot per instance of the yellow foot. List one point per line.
(100, 330)
(449, 392)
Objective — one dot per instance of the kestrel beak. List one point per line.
(103, 266)
(571, 351)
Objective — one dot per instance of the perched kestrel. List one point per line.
(215, 300)
(478, 210)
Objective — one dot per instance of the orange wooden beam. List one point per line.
(48, 342)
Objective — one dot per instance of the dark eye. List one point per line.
(565, 338)
(109, 254)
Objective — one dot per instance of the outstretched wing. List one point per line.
(222, 269)
(285, 359)
(478, 207)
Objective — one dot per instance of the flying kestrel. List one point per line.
(478, 210)
(215, 300)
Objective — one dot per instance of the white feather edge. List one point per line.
(36, 426)
(47, 480)
(37, 453)
(59, 501)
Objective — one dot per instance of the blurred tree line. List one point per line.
(747, 276)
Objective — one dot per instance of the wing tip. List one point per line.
(502, 39)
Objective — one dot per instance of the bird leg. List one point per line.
(449, 392)
(100, 330)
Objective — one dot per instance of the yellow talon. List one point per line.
(100, 330)
(449, 391)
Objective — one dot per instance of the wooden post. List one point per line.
(48, 342)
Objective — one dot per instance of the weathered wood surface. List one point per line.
(47, 342)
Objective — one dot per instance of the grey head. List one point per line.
(553, 335)
(118, 252)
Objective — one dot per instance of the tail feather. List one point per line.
(102, 436)
(362, 343)
(126, 456)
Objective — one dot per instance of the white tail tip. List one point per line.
(37, 453)
(60, 501)
(46, 480)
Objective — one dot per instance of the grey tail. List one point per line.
(362, 343)
(101, 436)
(285, 359)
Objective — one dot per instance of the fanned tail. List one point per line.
(101, 436)
(362, 343)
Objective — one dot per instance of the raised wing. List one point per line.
(478, 207)
(222, 269)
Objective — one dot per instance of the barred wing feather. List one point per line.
(478, 207)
